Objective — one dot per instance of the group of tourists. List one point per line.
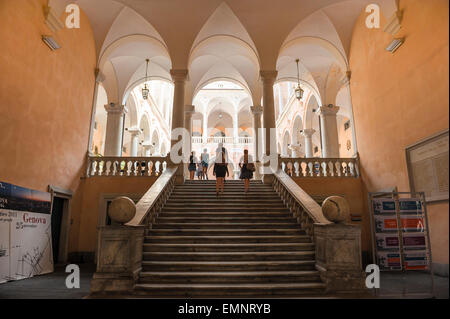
(200, 166)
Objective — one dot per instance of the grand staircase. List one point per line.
(237, 245)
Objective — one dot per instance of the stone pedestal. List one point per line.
(338, 257)
(119, 259)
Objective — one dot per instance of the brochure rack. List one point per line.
(400, 236)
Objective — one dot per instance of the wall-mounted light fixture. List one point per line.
(395, 44)
(51, 42)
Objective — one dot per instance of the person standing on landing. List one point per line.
(247, 168)
(192, 166)
(220, 170)
(205, 163)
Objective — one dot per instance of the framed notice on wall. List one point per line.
(427, 163)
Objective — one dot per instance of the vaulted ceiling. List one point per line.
(224, 39)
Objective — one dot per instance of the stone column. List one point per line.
(236, 128)
(205, 128)
(147, 148)
(135, 132)
(189, 110)
(257, 112)
(179, 79)
(308, 134)
(268, 78)
(114, 129)
(330, 139)
(296, 149)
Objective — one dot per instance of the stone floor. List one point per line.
(53, 286)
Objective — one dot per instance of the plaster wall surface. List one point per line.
(45, 98)
(402, 98)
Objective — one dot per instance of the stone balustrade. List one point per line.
(301, 205)
(320, 167)
(224, 140)
(337, 245)
(127, 166)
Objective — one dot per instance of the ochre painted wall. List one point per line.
(45, 98)
(83, 237)
(401, 98)
(45, 102)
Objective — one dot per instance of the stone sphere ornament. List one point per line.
(336, 209)
(122, 210)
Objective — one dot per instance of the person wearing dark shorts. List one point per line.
(220, 170)
(247, 168)
(192, 166)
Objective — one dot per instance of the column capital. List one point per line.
(134, 131)
(256, 109)
(99, 76)
(308, 132)
(147, 146)
(328, 110)
(189, 109)
(268, 76)
(113, 108)
(295, 147)
(179, 75)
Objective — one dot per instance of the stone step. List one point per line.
(213, 181)
(226, 197)
(224, 232)
(218, 209)
(223, 225)
(230, 290)
(229, 220)
(221, 200)
(212, 266)
(229, 256)
(229, 277)
(211, 191)
(225, 204)
(228, 247)
(254, 215)
(227, 239)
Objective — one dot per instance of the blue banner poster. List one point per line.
(25, 233)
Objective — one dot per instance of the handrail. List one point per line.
(299, 202)
(155, 198)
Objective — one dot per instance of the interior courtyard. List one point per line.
(341, 105)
